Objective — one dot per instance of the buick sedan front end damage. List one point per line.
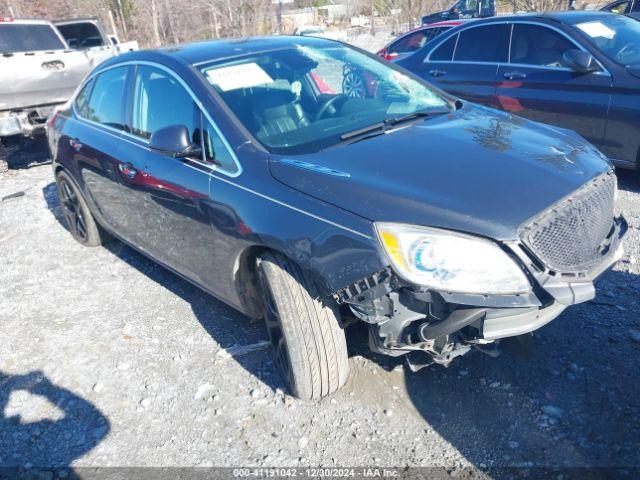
(447, 292)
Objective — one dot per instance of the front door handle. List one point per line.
(127, 170)
(436, 73)
(515, 75)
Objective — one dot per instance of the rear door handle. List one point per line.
(127, 170)
(436, 73)
(515, 75)
(75, 144)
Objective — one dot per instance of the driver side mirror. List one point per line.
(580, 61)
(174, 141)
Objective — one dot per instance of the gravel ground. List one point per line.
(109, 360)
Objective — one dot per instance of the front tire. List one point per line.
(309, 345)
(82, 226)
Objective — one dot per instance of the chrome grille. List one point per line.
(568, 237)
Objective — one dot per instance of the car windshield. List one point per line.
(303, 99)
(616, 36)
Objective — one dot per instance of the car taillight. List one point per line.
(6, 19)
(52, 119)
(389, 56)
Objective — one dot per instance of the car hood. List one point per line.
(474, 170)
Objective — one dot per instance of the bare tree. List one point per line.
(159, 22)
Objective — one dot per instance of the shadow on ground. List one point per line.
(30, 153)
(72, 428)
(212, 314)
(628, 180)
(572, 400)
(569, 398)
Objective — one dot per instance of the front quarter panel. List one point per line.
(335, 247)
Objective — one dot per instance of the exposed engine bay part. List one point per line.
(421, 322)
(457, 320)
(361, 288)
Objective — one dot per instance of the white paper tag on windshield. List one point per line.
(597, 29)
(238, 76)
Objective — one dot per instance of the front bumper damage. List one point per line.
(409, 319)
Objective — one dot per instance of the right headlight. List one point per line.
(450, 261)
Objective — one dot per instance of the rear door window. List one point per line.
(538, 45)
(106, 102)
(15, 38)
(487, 43)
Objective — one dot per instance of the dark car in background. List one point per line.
(415, 39)
(463, 9)
(244, 167)
(576, 70)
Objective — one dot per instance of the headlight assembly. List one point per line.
(450, 261)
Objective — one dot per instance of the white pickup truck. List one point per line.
(39, 70)
(86, 35)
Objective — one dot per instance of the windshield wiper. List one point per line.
(414, 115)
(364, 130)
(380, 128)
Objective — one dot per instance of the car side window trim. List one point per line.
(455, 48)
(144, 142)
(510, 43)
(602, 71)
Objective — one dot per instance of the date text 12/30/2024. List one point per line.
(361, 472)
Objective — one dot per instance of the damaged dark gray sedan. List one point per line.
(310, 184)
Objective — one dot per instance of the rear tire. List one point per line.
(80, 221)
(309, 345)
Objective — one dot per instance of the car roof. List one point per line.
(441, 23)
(212, 50)
(68, 21)
(23, 21)
(569, 17)
(450, 23)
